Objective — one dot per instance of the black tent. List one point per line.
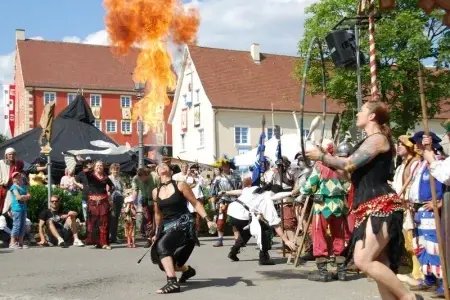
(72, 129)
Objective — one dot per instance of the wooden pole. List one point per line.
(437, 219)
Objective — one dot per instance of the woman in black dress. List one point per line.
(175, 236)
(99, 207)
(377, 242)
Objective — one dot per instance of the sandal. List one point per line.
(106, 247)
(186, 275)
(171, 287)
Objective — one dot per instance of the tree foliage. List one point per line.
(3, 138)
(403, 36)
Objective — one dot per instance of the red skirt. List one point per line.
(97, 223)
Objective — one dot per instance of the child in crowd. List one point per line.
(129, 217)
(19, 198)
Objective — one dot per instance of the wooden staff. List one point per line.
(437, 219)
(305, 234)
(299, 225)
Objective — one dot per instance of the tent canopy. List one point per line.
(72, 129)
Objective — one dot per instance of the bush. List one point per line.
(39, 200)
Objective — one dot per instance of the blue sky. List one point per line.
(51, 19)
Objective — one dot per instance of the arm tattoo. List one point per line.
(371, 147)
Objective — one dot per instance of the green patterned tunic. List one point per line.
(331, 190)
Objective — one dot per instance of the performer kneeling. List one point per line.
(175, 236)
(242, 211)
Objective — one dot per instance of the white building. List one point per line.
(221, 96)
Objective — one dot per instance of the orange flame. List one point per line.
(151, 24)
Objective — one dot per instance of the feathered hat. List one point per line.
(224, 160)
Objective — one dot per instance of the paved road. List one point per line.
(87, 273)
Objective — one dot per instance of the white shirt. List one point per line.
(261, 203)
(441, 170)
(413, 195)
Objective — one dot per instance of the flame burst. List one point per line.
(151, 24)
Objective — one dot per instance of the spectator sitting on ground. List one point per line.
(6, 223)
(62, 225)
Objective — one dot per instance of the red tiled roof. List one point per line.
(232, 79)
(71, 65)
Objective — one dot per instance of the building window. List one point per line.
(49, 97)
(269, 134)
(125, 101)
(241, 135)
(183, 140)
(201, 136)
(98, 124)
(111, 126)
(126, 127)
(96, 100)
(71, 97)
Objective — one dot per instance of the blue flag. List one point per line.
(260, 163)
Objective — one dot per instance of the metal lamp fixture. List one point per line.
(139, 88)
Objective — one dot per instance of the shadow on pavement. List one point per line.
(215, 282)
(299, 274)
(4, 251)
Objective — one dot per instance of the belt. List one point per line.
(243, 204)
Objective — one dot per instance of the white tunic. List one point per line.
(441, 170)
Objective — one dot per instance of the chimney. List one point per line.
(254, 52)
(20, 34)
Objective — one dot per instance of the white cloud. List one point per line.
(277, 25)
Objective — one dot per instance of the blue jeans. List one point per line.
(19, 222)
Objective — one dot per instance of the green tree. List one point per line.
(3, 138)
(402, 35)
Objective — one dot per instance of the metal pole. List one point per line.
(358, 73)
(49, 179)
(141, 142)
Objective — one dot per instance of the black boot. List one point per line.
(264, 259)
(321, 274)
(233, 253)
(187, 275)
(341, 268)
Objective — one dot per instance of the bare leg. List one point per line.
(72, 223)
(384, 291)
(169, 268)
(53, 230)
(365, 257)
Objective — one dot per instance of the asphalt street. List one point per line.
(87, 273)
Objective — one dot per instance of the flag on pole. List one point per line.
(261, 161)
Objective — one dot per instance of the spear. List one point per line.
(324, 92)
(437, 220)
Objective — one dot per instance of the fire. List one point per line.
(151, 24)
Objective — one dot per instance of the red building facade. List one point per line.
(47, 71)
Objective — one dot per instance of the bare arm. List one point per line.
(234, 193)
(372, 146)
(21, 197)
(41, 231)
(158, 216)
(189, 195)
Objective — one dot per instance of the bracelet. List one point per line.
(321, 156)
(207, 219)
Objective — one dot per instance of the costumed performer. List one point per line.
(425, 242)
(175, 236)
(402, 183)
(377, 242)
(253, 201)
(226, 181)
(329, 209)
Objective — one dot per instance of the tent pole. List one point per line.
(49, 179)
(141, 142)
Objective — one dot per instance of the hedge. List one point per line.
(39, 201)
